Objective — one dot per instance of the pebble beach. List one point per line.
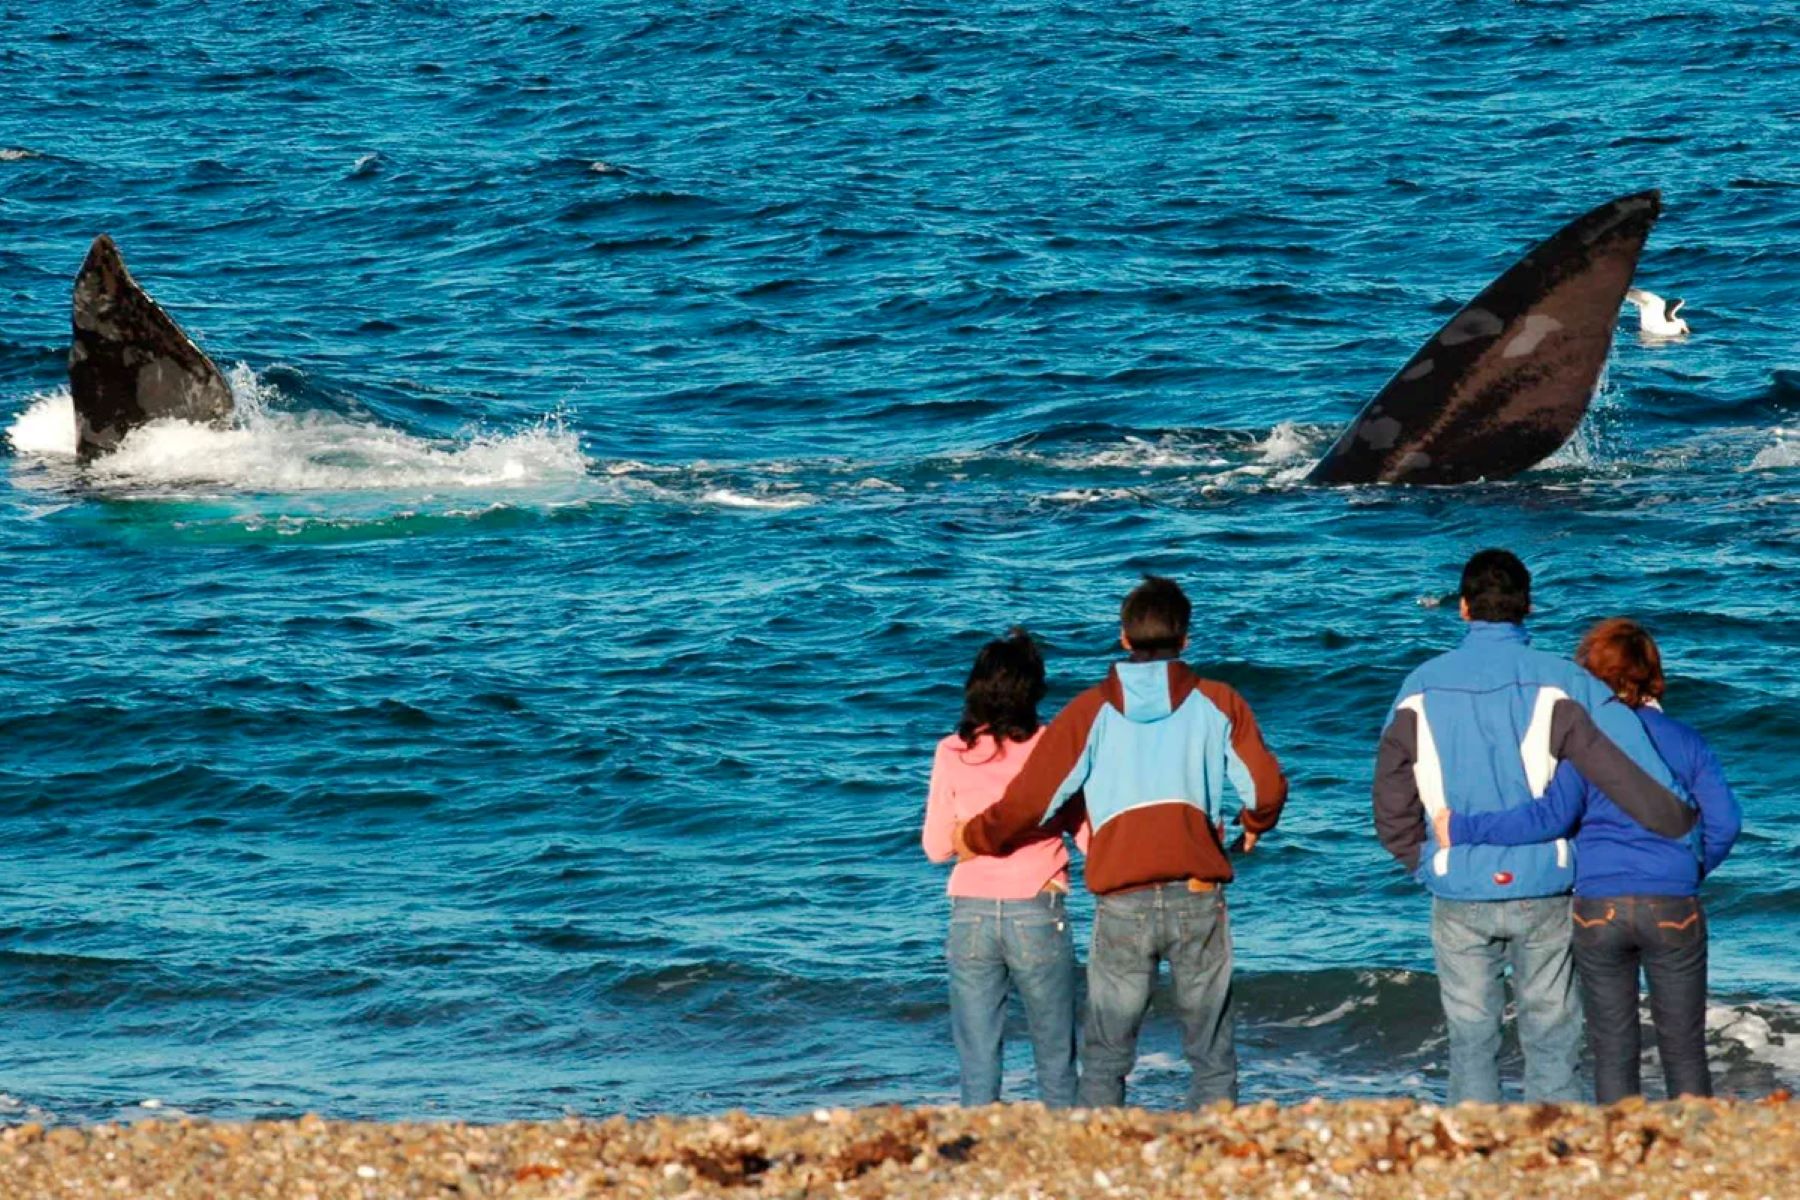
(1705, 1150)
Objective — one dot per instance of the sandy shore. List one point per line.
(1700, 1150)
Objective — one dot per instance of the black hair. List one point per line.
(1497, 587)
(1002, 693)
(1154, 618)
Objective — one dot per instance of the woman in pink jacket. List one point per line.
(1008, 920)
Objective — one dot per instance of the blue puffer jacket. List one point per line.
(1616, 855)
(1482, 729)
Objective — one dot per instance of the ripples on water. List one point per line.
(645, 416)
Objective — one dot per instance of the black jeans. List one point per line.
(1666, 935)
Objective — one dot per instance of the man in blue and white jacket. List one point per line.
(1483, 729)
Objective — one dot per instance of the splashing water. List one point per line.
(266, 450)
(46, 429)
(1783, 452)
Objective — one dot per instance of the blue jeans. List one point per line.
(1475, 940)
(1666, 936)
(1027, 943)
(1133, 933)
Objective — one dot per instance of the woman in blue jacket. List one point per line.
(1636, 893)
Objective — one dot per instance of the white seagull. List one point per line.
(1656, 316)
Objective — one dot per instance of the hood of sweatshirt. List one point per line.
(1144, 692)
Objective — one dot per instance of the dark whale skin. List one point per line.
(1508, 379)
(129, 363)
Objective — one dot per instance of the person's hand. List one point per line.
(1248, 840)
(1440, 825)
(958, 844)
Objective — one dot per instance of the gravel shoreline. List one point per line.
(1703, 1150)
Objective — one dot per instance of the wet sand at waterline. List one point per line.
(1396, 1148)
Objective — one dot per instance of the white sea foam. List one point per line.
(1091, 495)
(1285, 456)
(1575, 454)
(14, 154)
(46, 429)
(727, 498)
(270, 451)
(14, 1109)
(152, 1109)
(1753, 1031)
(1784, 451)
(1170, 451)
(1286, 442)
(1343, 1009)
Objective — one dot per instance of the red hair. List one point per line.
(1624, 655)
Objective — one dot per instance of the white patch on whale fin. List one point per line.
(1381, 433)
(1537, 327)
(1471, 324)
(1412, 461)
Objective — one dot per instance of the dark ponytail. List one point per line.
(1003, 690)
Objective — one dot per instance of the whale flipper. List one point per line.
(129, 363)
(1504, 384)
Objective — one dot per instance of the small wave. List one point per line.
(1753, 1027)
(13, 1109)
(1783, 452)
(152, 1109)
(1092, 495)
(16, 154)
(1160, 452)
(726, 498)
(1286, 442)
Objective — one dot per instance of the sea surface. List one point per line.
(645, 413)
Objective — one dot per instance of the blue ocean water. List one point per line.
(646, 412)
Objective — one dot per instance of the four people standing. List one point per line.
(1517, 743)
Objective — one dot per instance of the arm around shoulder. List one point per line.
(1056, 770)
(1574, 736)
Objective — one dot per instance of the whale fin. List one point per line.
(1508, 379)
(129, 362)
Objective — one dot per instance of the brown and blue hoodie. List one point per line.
(1149, 752)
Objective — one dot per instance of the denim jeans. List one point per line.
(1666, 935)
(1133, 933)
(1026, 943)
(1475, 940)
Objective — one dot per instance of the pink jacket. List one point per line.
(965, 780)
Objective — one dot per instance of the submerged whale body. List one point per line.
(129, 363)
(1506, 381)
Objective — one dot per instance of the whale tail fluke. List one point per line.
(1508, 379)
(129, 362)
